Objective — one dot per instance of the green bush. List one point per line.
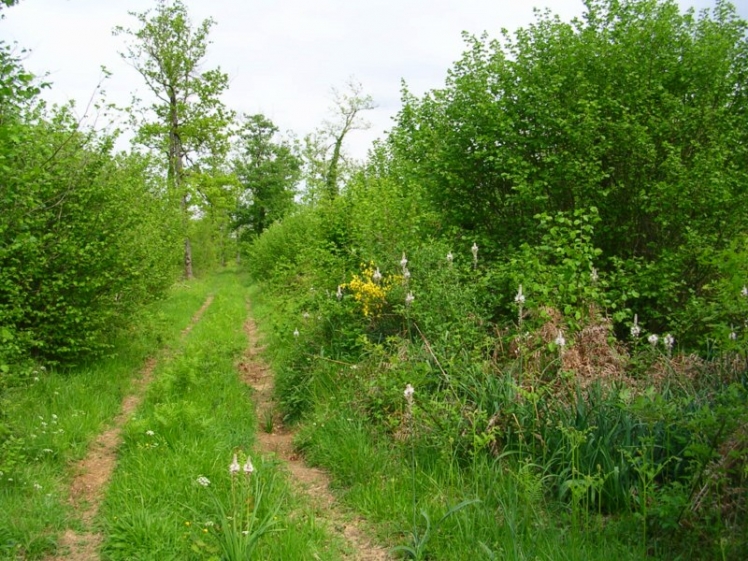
(84, 236)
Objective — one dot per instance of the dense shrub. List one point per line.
(84, 237)
(636, 109)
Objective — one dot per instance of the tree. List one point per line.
(190, 119)
(323, 150)
(268, 169)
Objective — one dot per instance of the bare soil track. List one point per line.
(93, 472)
(308, 480)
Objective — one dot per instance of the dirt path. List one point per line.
(94, 471)
(313, 482)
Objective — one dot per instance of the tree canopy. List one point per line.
(268, 169)
(190, 120)
(636, 113)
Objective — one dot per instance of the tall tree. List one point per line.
(323, 150)
(190, 119)
(268, 169)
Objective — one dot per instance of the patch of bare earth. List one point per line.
(311, 481)
(93, 472)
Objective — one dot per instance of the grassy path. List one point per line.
(133, 457)
(93, 472)
(48, 424)
(276, 439)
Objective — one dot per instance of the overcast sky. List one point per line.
(282, 56)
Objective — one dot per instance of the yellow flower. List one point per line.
(369, 291)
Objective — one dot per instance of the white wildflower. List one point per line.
(408, 393)
(204, 481)
(150, 433)
(37, 487)
(636, 330)
(668, 340)
(474, 249)
(593, 275)
(520, 298)
(234, 467)
(248, 467)
(450, 257)
(339, 293)
(560, 341)
(406, 275)
(305, 315)
(377, 276)
(733, 336)
(295, 332)
(404, 261)
(744, 291)
(409, 299)
(653, 339)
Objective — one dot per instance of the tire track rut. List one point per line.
(93, 472)
(310, 481)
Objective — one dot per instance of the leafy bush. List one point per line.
(84, 238)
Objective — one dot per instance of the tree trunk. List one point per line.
(331, 180)
(187, 259)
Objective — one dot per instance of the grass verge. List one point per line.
(413, 486)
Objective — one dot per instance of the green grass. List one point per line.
(196, 415)
(52, 420)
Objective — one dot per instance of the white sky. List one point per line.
(282, 56)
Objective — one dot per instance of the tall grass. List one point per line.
(603, 452)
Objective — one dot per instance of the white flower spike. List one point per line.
(668, 340)
(474, 249)
(408, 393)
(653, 339)
(636, 330)
(450, 257)
(377, 276)
(339, 293)
(520, 298)
(248, 467)
(409, 299)
(404, 261)
(560, 341)
(234, 467)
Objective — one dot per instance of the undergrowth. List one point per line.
(566, 441)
